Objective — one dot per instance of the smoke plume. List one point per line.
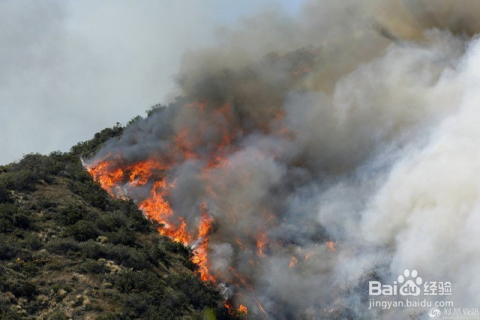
(304, 157)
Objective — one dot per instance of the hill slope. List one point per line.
(68, 250)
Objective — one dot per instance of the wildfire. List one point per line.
(200, 258)
(242, 309)
(260, 306)
(262, 241)
(209, 138)
(142, 171)
(242, 281)
(308, 255)
(331, 245)
(293, 262)
(108, 176)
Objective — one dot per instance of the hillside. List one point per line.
(68, 250)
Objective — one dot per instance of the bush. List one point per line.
(42, 167)
(108, 316)
(93, 266)
(91, 192)
(157, 255)
(33, 168)
(135, 305)
(83, 231)
(25, 289)
(177, 247)
(23, 180)
(111, 222)
(135, 220)
(7, 250)
(58, 315)
(7, 211)
(5, 225)
(5, 195)
(21, 220)
(88, 148)
(33, 242)
(138, 281)
(123, 236)
(10, 314)
(69, 215)
(91, 249)
(199, 293)
(63, 246)
(122, 255)
(128, 257)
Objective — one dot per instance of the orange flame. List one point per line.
(293, 262)
(331, 245)
(262, 241)
(107, 175)
(200, 258)
(260, 306)
(242, 309)
(308, 255)
(119, 177)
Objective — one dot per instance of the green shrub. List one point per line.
(157, 255)
(33, 168)
(121, 254)
(88, 148)
(138, 281)
(10, 314)
(43, 203)
(21, 220)
(199, 293)
(110, 222)
(136, 221)
(63, 246)
(70, 215)
(58, 315)
(83, 231)
(122, 236)
(93, 250)
(7, 250)
(11, 217)
(177, 247)
(23, 180)
(128, 257)
(108, 316)
(93, 266)
(91, 192)
(5, 195)
(135, 305)
(7, 211)
(5, 225)
(24, 289)
(33, 242)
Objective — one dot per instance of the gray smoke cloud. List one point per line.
(72, 68)
(344, 141)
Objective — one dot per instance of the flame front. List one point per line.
(156, 206)
(150, 183)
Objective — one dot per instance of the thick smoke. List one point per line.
(332, 149)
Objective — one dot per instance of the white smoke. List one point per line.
(376, 154)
